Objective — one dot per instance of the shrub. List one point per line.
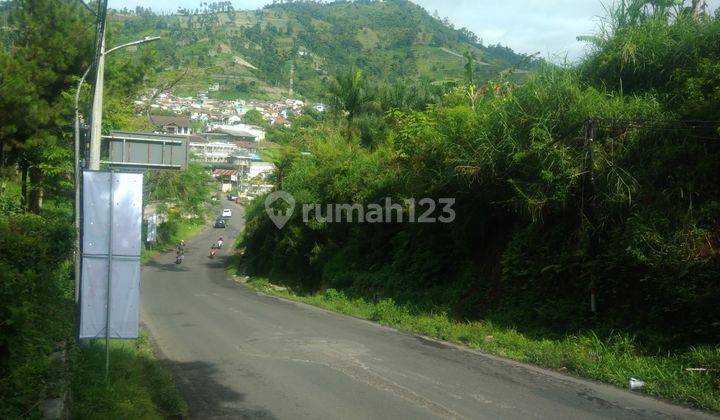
(37, 306)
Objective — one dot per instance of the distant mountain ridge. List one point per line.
(257, 53)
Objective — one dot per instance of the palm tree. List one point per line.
(350, 96)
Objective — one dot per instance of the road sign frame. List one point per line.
(145, 151)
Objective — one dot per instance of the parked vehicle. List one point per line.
(227, 213)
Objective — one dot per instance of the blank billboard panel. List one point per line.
(112, 206)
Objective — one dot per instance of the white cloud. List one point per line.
(528, 26)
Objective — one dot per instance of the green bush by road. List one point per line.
(36, 309)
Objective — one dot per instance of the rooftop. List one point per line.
(177, 120)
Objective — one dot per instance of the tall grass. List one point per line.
(136, 387)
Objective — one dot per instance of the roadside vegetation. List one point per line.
(137, 387)
(601, 176)
(171, 233)
(183, 198)
(44, 48)
(36, 313)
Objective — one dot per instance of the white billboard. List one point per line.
(111, 244)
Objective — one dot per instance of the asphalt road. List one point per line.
(238, 354)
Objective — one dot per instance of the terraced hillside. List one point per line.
(257, 53)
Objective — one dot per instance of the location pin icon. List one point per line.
(278, 217)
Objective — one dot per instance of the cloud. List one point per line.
(528, 26)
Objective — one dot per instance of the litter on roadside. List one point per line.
(636, 383)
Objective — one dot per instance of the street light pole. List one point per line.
(77, 184)
(96, 124)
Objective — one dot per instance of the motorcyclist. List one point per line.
(220, 242)
(213, 250)
(179, 253)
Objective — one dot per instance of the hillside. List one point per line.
(254, 53)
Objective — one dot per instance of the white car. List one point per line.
(226, 213)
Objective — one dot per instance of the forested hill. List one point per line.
(253, 53)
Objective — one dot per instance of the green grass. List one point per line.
(612, 360)
(137, 386)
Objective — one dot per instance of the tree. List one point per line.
(50, 47)
(350, 96)
(187, 189)
(282, 157)
(469, 58)
(254, 117)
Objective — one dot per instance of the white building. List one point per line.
(212, 152)
(244, 131)
(260, 168)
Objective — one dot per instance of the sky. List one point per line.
(527, 26)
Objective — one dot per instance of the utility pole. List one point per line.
(292, 76)
(591, 211)
(96, 125)
(96, 121)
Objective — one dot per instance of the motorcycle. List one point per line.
(220, 243)
(180, 252)
(213, 251)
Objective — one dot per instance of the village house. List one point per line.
(239, 132)
(164, 124)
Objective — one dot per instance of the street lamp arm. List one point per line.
(79, 87)
(77, 183)
(129, 44)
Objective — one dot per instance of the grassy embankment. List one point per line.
(137, 386)
(613, 360)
